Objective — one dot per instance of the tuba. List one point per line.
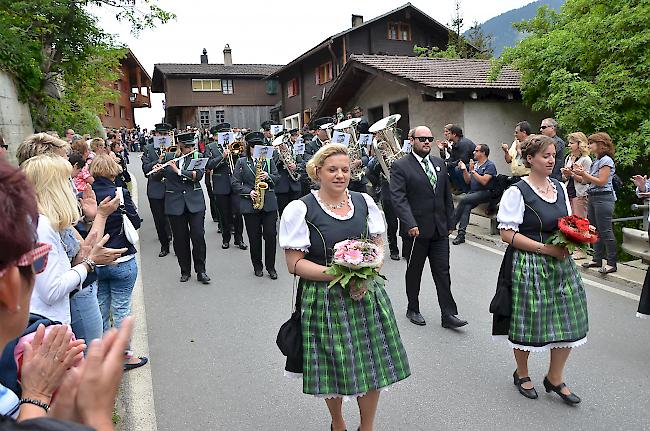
(386, 143)
(281, 143)
(354, 149)
(260, 185)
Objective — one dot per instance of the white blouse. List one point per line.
(294, 232)
(512, 207)
(51, 294)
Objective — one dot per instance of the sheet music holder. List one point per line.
(263, 151)
(197, 164)
(341, 138)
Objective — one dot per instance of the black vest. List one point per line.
(540, 217)
(325, 231)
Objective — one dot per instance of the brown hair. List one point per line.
(80, 147)
(39, 143)
(103, 165)
(533, 145)
(607, 144)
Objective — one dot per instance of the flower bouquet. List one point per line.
(574, 233)
(355, 263)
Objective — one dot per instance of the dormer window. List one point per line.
(399, 31)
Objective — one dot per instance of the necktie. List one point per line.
(433, 179)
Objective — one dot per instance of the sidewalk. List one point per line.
(630, 274)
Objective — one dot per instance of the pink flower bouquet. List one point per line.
(355, 261)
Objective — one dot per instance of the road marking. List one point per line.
(592, 283)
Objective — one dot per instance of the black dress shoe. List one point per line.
(164, 251)
(184, 278)
(569, 399)
(203, 278)
(394, 256)
(451, 321)
(415, 317)
(225, 245)
(528, 393)
(458, 240)
(273, 274)
(242, 246)
(219, 230)
(259, 273)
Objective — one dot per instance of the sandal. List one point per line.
(591, 264)
(143, 361)
(606, 270)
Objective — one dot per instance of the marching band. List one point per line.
(249, 187)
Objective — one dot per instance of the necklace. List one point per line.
(540, 190)
(336, 206)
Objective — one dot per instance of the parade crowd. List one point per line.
(68, 262)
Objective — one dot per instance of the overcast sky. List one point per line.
(263, 31)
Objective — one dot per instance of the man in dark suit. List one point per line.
(462, 150)
(156, 190)
(185, 206)
(421, 195)
(226, 198)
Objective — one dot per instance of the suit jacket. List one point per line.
(220, 168)
(155, 185)
(461, 150)
(416, 203)
(183, 193)
(243, 181)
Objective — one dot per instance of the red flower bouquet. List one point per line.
(574, 233)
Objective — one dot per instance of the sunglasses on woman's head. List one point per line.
(36, 258)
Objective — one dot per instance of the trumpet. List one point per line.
(159, 167)
(234, 149)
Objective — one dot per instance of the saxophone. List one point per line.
(281, 143)
(260, 185)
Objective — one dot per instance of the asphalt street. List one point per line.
(215, 364)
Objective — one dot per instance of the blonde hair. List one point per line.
(96, 143)
(321, 155)
(104, 166)
(39, 143)
(50, 176)
(583, 142)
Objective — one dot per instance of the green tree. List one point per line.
(62, 60)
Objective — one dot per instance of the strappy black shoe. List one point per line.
(528, 393)
(569, 399)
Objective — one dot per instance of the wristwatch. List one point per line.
(91, 263)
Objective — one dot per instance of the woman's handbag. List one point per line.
(129, 231)
(289, 339)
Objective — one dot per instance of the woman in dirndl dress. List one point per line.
(352, 346)
(548, 307)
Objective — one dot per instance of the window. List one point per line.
(110, 110)
(306, 116)
(122, 112)
(206, 85)
(271, 86)
(221, 116)
(204, 119)
(323, 73)
(226, 86)
(292, 122)
(292, 87)
(399, 31)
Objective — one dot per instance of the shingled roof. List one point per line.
(206, 70)
(442, 73)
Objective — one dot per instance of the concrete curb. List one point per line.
(135, 401)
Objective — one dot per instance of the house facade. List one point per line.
(434, 92)
(203, 95)
(134, 88)
(305, 80)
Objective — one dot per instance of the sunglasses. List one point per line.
(35, 258)
(424, 138)
(544, 127)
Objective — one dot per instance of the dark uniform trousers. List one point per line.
(391, 224)
(214, 209)
(262, 224)
(161, 221)
(189, 227)
(156, 195)
(285, 198)
(228, 206)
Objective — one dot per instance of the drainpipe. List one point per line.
(334, 59)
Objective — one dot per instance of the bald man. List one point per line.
(421, 195)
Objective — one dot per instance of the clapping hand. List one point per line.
(471, 164)
(640, 182)
(462, 166)
(108, 206)
(102, 255)
(89, 203)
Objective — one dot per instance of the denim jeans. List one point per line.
(465, 206)
(457, 179)
(84, 311)
(115, 285)
(600, 209)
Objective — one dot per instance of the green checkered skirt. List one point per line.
(549, 306)
(350, 347)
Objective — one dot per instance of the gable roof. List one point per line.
(331, 39)
(188, 70)
(427, 74)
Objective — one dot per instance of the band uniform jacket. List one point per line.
(182, 191)
(220, 168)
(285, 183)
(155, 183)
(414, 200)
(243, 181)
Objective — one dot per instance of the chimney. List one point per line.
(227, 55)
(204, 56)
(357, 20)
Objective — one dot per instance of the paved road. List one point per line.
(216, 367)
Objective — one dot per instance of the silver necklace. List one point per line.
(336, 206)
(539, 189)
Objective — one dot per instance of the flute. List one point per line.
(169, 162)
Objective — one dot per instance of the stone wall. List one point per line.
(15, 119)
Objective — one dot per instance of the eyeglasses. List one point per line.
(36, 258)
(544, 127)
(424, 138)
